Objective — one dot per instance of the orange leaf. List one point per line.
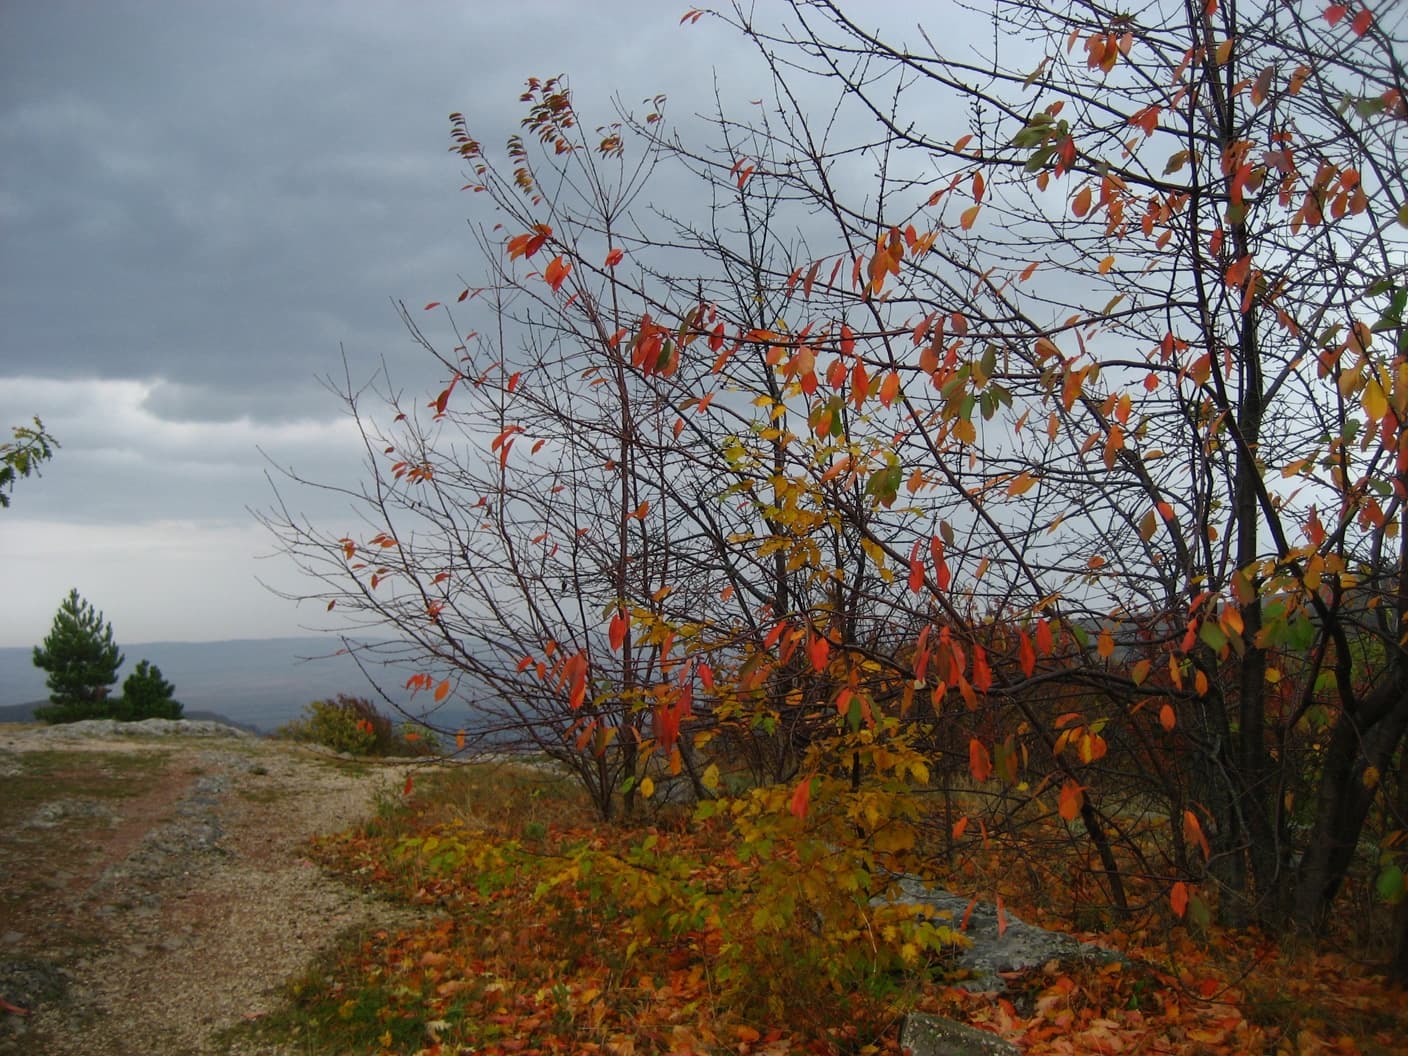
(1178, 898)
(979, 762)
(1044, 643)
(801, 799)
(1070, 800)
(916, 568)
(969, 217)
(617, 631)
(442, 690)
(1167, 718)
(1193, 833)
(1081, 205)
(942, 576)
(1001, 917)
(982, 673)
(614, 257)
(1026, 656)
(555, 274)
(459, 740)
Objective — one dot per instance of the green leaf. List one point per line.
(1212, 636)
(1390, 884)
(1198, 913)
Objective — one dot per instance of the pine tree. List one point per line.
(146, 695)
(82, 660)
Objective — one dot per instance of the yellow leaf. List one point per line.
(710, 778)
(1371, 776)
(969, 217)
(1021, 485)
(1107, 264)
(1375, 400)
(1224, 52)
(647, 787)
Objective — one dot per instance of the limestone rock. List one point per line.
(926, 1035)
(1020, 947)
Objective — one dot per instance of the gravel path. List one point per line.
(153, 921)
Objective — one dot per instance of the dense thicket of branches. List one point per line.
(1066, 448)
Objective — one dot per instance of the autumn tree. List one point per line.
(1145, 313)
(1066, 447)
(81, 659)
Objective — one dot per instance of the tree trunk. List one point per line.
(1361, 739)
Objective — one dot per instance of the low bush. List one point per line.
(355, 726)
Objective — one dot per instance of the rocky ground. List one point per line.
(154, 885)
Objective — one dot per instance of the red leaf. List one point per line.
(801, 799)
(1334, 13)
(1044, 644)
(967, 914)
(916, 568)
(617, 633)
(818, 652)
(982, 673)
(1001, 917)
(410, 783)
(614, 257)
(1070, 800)
(941, 573)
(1193, 833)
(555, 274)
(979, 762)
(1362, 22)
(1026, 656)
(848, 341)
(432, 304)
(1178, 898)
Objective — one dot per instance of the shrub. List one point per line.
(352, 725)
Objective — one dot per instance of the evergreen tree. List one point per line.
(146, 695)
(82, 660)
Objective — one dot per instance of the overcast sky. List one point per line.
(201, 205)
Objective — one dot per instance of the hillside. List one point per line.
(260, 683)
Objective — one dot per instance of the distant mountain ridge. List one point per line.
(260, 683)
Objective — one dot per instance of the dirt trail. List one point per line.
(155, 891)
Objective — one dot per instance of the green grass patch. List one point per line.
(50, 776)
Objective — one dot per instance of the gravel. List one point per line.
(194, 923)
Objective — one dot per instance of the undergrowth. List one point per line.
(548, 932)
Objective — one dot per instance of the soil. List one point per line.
(155, 891)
